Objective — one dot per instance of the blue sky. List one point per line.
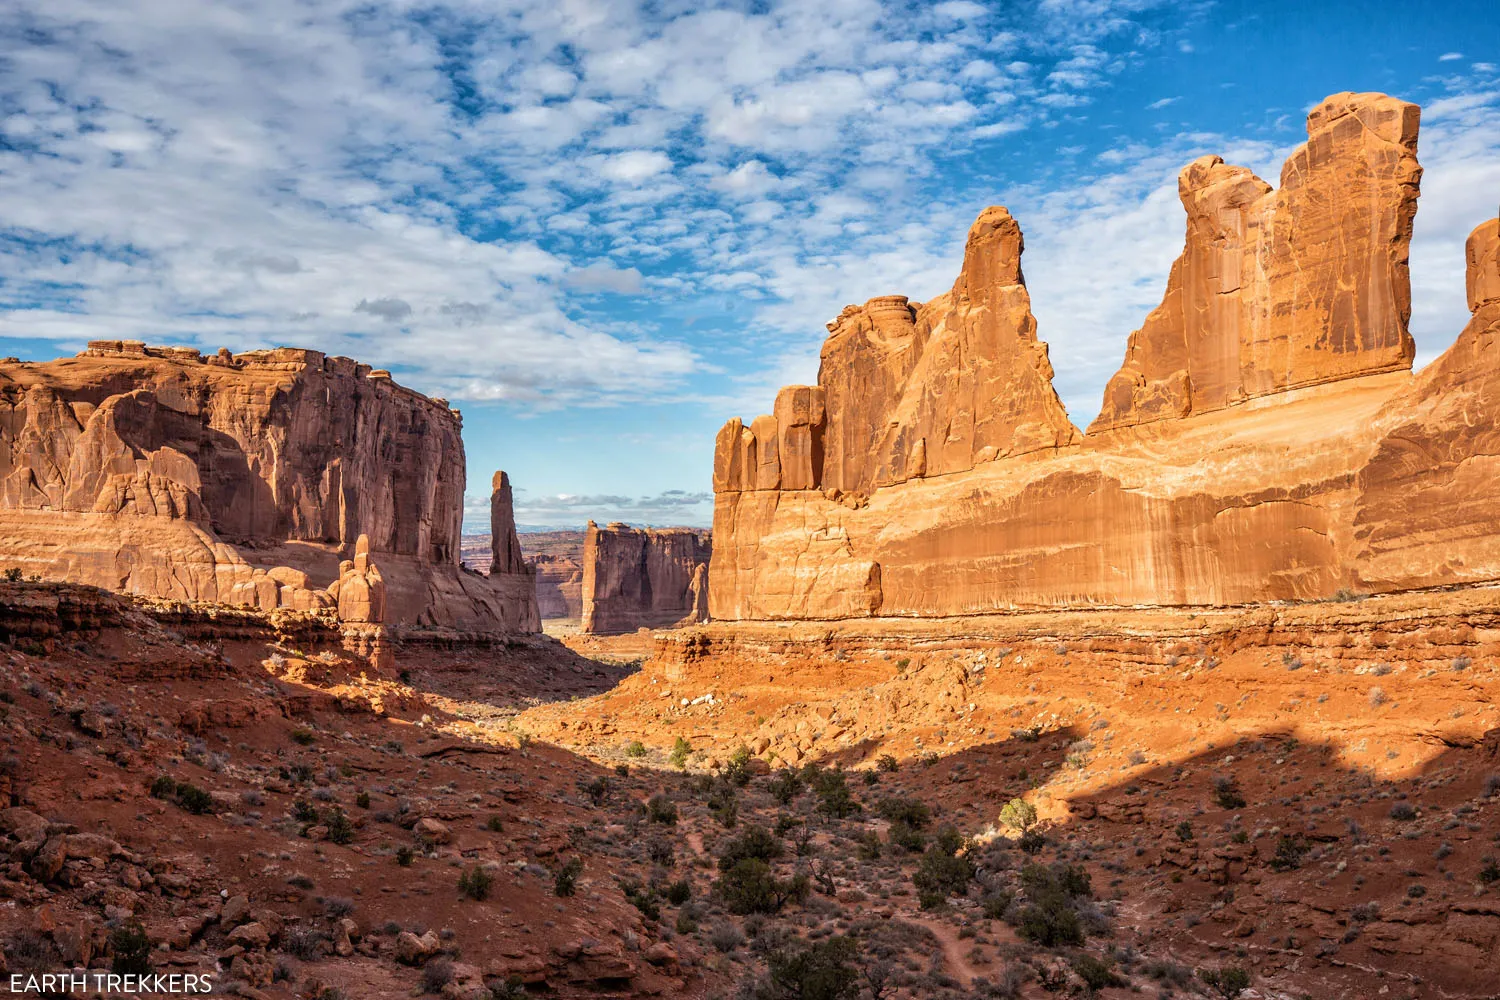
(603, 228)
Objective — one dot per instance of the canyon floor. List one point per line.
(1099, 803)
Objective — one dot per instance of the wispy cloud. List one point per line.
(1164, 102)
(565, 510)
(446, 190)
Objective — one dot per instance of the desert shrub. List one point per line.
(1096, 975)
(887, 764)
(1402, 812)
(635, 748)
(1018, 814)
(941, 874)
(994, 904)
(724, 805)
(1185, 832)
(495, 824)
(130, 950)
(749, 886)
(304, 737)
(661, 852)
(1229, 981)
(194, 799)
(660, 809)
(436, 974)
(1050, 917)
(905, 837)
(869, 846)
(1289, 853)
(834, 797)
(362, 800)
(1377, 696)
(404, 855)
(737, 771)
(913, 812)
(164, 787)
(643, 899)
(679, 892)
(304, 811)
(565, 879)
(305, 943)
(753, 842)
(725, 937)
(475, 883)
(596, 788)
(340, 827)
(1227, 793)
(678, 757)
(785, 785)
(1032, 841)
(823, 970)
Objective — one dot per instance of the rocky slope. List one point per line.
(643, 577)
(1264, 441)
(241, 479)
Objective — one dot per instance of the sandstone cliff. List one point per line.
(642, 577)
(242, 479)
(1265, 440)
(1279, 289)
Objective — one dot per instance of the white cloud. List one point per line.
(1164, 102)
(1450, 56)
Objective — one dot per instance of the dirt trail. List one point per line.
(955, 953)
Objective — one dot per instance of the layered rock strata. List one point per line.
(241, 479)
(643, 577)
(1269, 441)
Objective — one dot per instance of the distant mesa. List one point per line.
(643, 577)
(272, 479)
(1264, 438)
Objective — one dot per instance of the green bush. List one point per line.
(834, 797)
(941, 874)
(1050, 917)
(1096, 975)
(679, 892)
(340, 827)
(404, 855)
(303, 737)
(906, 838)
(565, 879)
(1185, 832)
(737, 771)
(1018, 814)
(1227, 794)
(130, 950)
(660, 809)
(754, 842)
(886, 763)
(635, 748)
(164, 787)
(749, 886)
(786, 785)
(475, 883)
(1289, 853)
(643, 900)
(724, 805)
(679, 754)
(912, 812)
(194, 799)
(1229, 981)
(823, 970)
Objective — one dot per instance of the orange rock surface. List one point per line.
(642, 577)
(242, 479)
(1313, 463)
(1279, 289)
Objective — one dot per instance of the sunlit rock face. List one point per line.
(1264, 440)
(243, 479)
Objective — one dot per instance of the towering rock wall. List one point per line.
(1278, 289)
(242, 479)
(643, 577)
(1264, 441)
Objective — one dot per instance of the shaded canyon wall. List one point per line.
(643, 577)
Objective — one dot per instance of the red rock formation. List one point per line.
(906, 391)
(1308, 462)
(1280, 289)
(241, 479)
(642, 577)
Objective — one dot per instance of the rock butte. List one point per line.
(1264, 439)
(269, 479)
(643, 577)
